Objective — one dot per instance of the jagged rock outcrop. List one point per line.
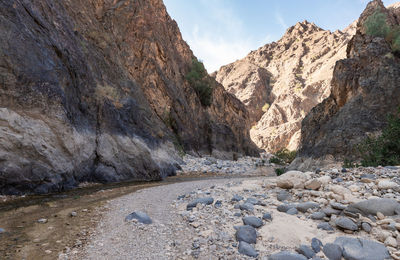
(365, 89)
(86, 89)
(280, 82)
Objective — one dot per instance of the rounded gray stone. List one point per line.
(236, 198)
(366, 227)
(267, 216)
(292, 211)
(247, 206)
(247, 234)
(362, 249)
(247, 249)
(346, 223)
(306, 251)
(332, 251)
(283, 195)
(303, 207)
(318, 215)
(316, 244)
(253, 221)
(325, 226)
(205, 201)
(286, 255)
(140, 216)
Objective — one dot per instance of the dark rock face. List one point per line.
(364, 91)
(85, 90)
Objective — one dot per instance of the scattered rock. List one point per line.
(267, 216)
(306, 251)
(247, 206)
(285, 207)
(292, 211)
(292, 179)
(237, 198)
(73, 214)
(325, 226)
(247, 234)
(283, 195)
(318, 215)
(361, 249)
(253, 221)
(338, 206)
(247, 249)
(303, 207)
(218, 204)
(330, 211)
(313, 184)
(346, 223)
(332, 251)
(386, 184)
(366, 227)
(390, 241)
(286, 255)
(316, 245)
(370, 207)
(205, 201)
(140, 216)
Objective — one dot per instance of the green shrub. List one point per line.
(279, 171)
(202, 83)
(276, 160)
(286, 155)
(385, 149)
(376, 25)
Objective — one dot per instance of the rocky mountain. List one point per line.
(281, 81)
(365, 89)
(96, 91)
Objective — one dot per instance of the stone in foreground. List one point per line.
(332, 251)
(253, 221)
(286, 255)
(247, 234)
(306, 251)
(303, 207)
(205, 201)
(346, 223)
(361, 249)
(140, 216)
(388, 207)
(247, 249)
(325, 226)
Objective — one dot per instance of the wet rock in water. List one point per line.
(316, 244)
(306, 251)
(325, 226)
(247, 249)
(286, 255)
(366, 227)
(237, 198)
(218, 204)
(140, 216)
(292, 211)
(42, 220)
(253, 221)
(205, 201)
(362, 249)
(388, 207)
(267, 216)
(303, 207)
(247, 206)
(332, 251)
(318, 215)
(247, 234)
(283, 195)
(346, 223)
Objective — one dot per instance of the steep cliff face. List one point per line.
(282, 81)
(85, 91)
(365, 90)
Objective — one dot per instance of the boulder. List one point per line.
(247, 249)
(253, 221)
(292, 179)
(247, 234)
(387, 207)
(361, 249)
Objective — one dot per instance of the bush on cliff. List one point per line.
(385, 149)
(376, 25)
(202, 83)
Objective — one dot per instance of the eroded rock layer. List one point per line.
(86, 89)
(365, 89)
(280, 82)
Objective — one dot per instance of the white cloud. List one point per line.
(281, 21)
(224, 40)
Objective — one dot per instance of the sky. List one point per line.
(222, 31)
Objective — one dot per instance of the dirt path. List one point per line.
(164, 239)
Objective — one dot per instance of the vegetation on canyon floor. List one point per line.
(202, 83)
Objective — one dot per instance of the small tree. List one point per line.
(375, 25)
(202, 83)
(385, 149)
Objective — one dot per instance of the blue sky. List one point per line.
(222, 31)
